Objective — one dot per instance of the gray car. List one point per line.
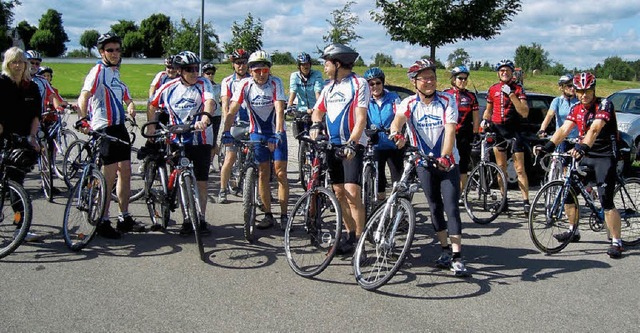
(627, 106)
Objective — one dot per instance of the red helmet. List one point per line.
(239, 54)
(419, 66)
(584, 81)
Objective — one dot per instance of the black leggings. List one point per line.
(442, 190)
(393, 158)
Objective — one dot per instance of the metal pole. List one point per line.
(201, 35)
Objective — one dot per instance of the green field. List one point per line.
(68, 79)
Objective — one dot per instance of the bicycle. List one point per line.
(389, 231)
(485, 192)
(548, 216)
(16, 213)
(302, 123)
(239, 131)
(370, 171)
(181, 179)
(54, 141)
(313, 231)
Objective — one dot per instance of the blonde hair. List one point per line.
(15, 54)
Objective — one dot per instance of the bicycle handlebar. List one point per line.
(173, 129)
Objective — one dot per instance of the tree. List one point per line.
(531, 57)
(133, 44)
(26, 31)
(6, 18)
(342, 26)
(79, 53)
(458, 57)
(279, 58)
(185, 36)
(434, 23)
(382, 60)
(155, 28)
(247, 36)
(51, 21)
(89, 40)
(616, 69)
(557, 69)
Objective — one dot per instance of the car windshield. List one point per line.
(626, 102)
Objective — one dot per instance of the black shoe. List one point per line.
(267, 222)
(128, 224)
(105, 230)
(187, 227)
(346, 246)
(55, 190)
(615, 251)
(563, 237)
(527, 207)
(204, 228)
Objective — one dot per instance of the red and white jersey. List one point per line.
(260, 101)
(107, 96)
(46, 91)
(160, 79)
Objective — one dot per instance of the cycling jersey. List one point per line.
(381, 113)
(160, 79)
(339, 101)
(181, 101)
(45, 89)
(561, 106)
(105, 106)
(467, 105)
(583, 116)
(504, 112)
(260, 101)
(426, 122)
(228, 87)
(306, 88)
(216, 98)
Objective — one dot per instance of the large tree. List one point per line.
(382, 60)
(155, 28)
(247, 36)
(458, 57)
(532, 57)
(342, 26)
(89, 40)
(6, 19)
(617, 69)
(26, 31)
(50, 21)
(185, 37)
(434, 23)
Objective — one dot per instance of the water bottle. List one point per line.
(172, 179)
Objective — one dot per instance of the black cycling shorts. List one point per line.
(343, 171)
(200, 156)
(113, 152)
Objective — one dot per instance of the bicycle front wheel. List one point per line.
(16, 217)
(189, 194)
(369, 192)
(385, 244)
(549, 216)
(157, 194)
(249, 203)
(304, 164)
(485, 193)
(46, 172)
(627, 200)
(84, 210)
(60, 146)
(313, 232)
(75, 158)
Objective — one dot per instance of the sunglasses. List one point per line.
(112, 50)
(583, 91)
(170, 67)
(240, 62)
(35, 63)
(260, 70)
(375, 83)
(190, 69)
(209, 73)
(462, 78)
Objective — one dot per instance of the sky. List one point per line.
(578, 34)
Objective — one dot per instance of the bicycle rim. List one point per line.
(249, 202)
(369, 192)
(484, 197)
(60, 147)
(627, 200)
(74, 159)
(189, 195)
(45, 174)
(15, 219)
(84, 210)
(548, 217)
(157, 195)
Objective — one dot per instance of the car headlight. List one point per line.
(624, 126)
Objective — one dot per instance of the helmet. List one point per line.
(259, 57)
(303, 58)
(32, 54)
(565, 79)
(45, 69)
(419, 66)
(109, 37)
(186, 58)
(505, 62)
(209, 66)
(341, 53)
(462, 69)
(584, 81)
(239, 54)
(168, 61)
(374, 73)
(23, 158)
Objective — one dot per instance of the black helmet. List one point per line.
(23, 158)
(168, 61)
(109, 37)
(186, 58)
(209, 66)
(341, 53)
(45, 69)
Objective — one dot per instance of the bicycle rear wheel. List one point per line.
(157, 194)
(249, 203)
(60, 146)
(384, 244)
(46, 172)
(189, 195)
(84, 210)
(75, 158)
(548, 217)
(304, 164)
(627, 200)
(313, 232)
(15, 219)
(484, 197)
(369, 192)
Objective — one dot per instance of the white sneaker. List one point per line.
(458, 269)
(31, 237)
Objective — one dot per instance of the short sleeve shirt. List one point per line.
(561, 106)
(583, 116)
(504, 112)
(306, 89)
(260, 101)
(467, 105)
(107, 95)
(45, 89)
(227, 88)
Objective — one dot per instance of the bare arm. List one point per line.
(521, 105)
(279, 116)
(230, 116)
(562, 132)
(83, 102)
(547, 120)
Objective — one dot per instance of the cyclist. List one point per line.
(182, 98)
(506, 104)
(239, 60)
(432, 117)
(560, 107)
(161, 78)
(101, 102)
(209, 71)
(305, 84)
(597, 130)
(468, 118)
(382, 109)
(22, 111)
(263, 95)
(344, 100)
(47, 93)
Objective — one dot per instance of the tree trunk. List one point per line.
(433, 53)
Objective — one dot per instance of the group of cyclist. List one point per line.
(441, 124)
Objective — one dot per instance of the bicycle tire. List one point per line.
(157, 194)
(304, 164)
(369, 192)
(12, 234)
(313, 232)
(136, 183)
(483, 197)
(544, 222)
(249, 203)
(84, 210)
(46, 172)
(75, 158)
(375, 262)
(60, 146)
(191, 205)
(627, 201)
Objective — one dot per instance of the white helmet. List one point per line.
(259, 57)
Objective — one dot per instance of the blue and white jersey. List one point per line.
(216, 98)
(426, 122)
(381, 113)
(339, 101)
(260, 101)
(228, 86)
(306, 89)
(182, 101)
(561, 106)
(107, 95)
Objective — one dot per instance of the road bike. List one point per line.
(302, 123)
(54, 140)
(370, 172)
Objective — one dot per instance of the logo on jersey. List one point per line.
(185, 104)
(337, 97)
(261, 100)
(430, 121)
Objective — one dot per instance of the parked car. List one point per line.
(627, 106)
(401, 91)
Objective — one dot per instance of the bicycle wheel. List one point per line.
(16, 217)
(548, 217)
(250, 202)
(191, 205)
(46, 172)
(304, 164)
(60, 146)
(369, 192)
(313, 232)
(84, 210)
(385, 244)
(157, 194)
(75, 158)
(483, 196)
(627, 200)
(136, 184)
